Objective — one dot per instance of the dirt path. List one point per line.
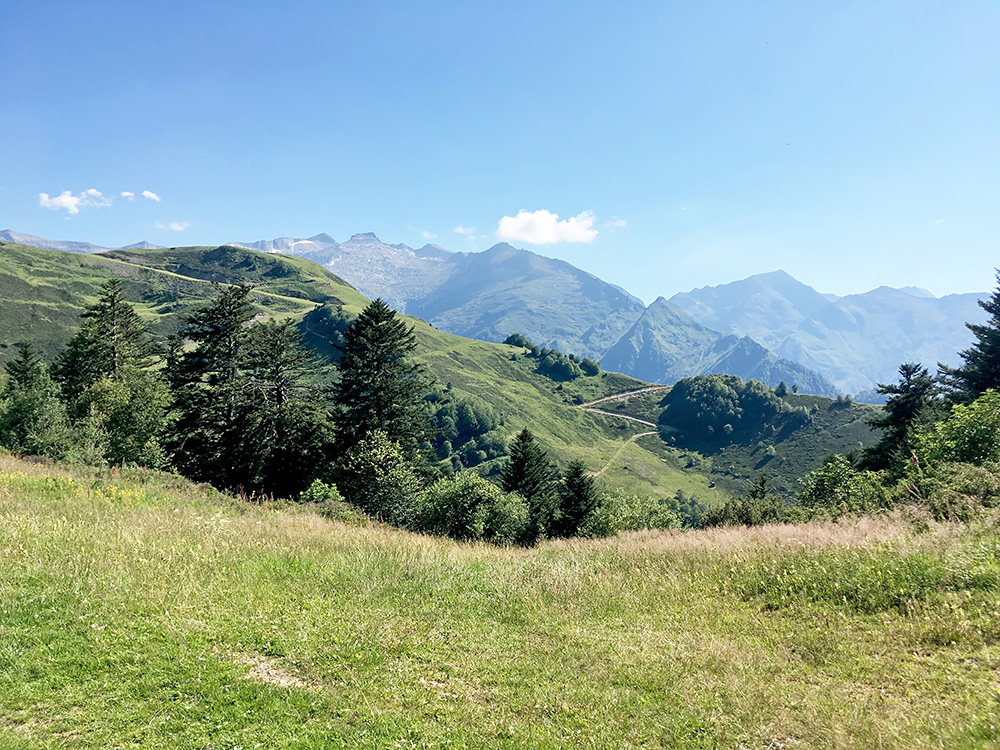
(627, 394)
(589, 406)
(618, 452)
(620, 416)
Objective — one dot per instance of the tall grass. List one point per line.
(142, 610)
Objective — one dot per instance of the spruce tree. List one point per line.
(32, 417)
(108, 383)
(112, 341)
(207, 396)
(577, 500)
(908, 406)
(527, 473)
(380, 388)
(981, 369)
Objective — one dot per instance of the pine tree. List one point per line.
(248, 409)
(577, 500)
(380, 388)
(32, 417)
(981, 369)
(908, 406)
(527, 473)
(108, 383)
(207, 394)
(112, 341)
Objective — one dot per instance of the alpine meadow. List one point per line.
(535, 375)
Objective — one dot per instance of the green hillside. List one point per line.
(43, 292)
(140, 610)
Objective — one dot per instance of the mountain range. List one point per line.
(770, 326)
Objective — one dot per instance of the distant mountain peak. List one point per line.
(364, 236)
(141, 245)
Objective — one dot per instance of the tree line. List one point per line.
(244, 405)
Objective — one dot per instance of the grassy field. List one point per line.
(139, 610)
(43, 292)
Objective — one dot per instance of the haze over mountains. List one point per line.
(856, 341)
(769, 326)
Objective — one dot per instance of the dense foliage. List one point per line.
(722, 409)
(553, 363)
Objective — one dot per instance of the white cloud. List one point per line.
(544, 227)
(467, 231)
(939, 221)
(71, 203)
(615, 221)
(127, 195)
(176, 226)
(151, 195)
(428, 235)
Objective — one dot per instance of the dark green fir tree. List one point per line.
(528, 473)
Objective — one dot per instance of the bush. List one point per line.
(328, 501)
(619, 511)
(837, 487)
(953, 491)
(377, 478)
(467, 507)
(760, 506)
(971, 434)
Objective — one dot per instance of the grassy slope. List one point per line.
(42, 293)
(146, 611)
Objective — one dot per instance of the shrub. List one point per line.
(839, 488)
(467, 507)
(971, 434)
(619, 511)
(377, 478)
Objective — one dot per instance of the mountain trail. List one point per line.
(589, 406)
(627, 394)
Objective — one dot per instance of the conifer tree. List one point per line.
(248, 410)
(112, 341)
(107, 380)
(380, 388)
(207, 396)
(577, 500)
(527, 473)
(32, 417)
(908, 406)
(981, 369)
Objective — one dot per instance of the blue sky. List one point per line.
(680, 144)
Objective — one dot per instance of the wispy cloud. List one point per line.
(67, 201)
(467, 231)
(151, 195)
(939, 221)
(176, 226)
(127, 195)
(616, 221)
(544, 227)
(428, 235)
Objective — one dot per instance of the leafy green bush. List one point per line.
(952, 491)
(467, 507)
(618, 511)
(376, 477)
(760, 506)
(971, 434)
(837, 487)
(328, 501)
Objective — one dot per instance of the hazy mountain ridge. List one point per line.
(856, 341)
(798, 334)
(667, 344)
